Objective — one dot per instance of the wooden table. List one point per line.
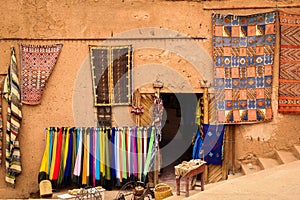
(197, 171)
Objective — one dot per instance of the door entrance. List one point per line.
(178, 127)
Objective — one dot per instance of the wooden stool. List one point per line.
(199, 170)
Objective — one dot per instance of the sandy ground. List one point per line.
(278, 183)
(281, 182)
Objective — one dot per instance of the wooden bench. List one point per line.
(197, 171)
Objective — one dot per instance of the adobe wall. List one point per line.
(67, 98)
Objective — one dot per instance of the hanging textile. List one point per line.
(121, 74)
(2, 79)
(103, 155)
(243, 54)
(197, 154)
(100, 71)
(37, 64)
(11, 93)
(46, 162)
(111, 74)
(213, 143)
(158, 111)
(289, 75)
(57, 161)
(198, 113)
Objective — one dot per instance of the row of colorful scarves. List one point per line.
(97, 155)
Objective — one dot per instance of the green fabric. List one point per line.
(124, 154)
(149, 154)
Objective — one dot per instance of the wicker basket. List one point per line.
(162, 191)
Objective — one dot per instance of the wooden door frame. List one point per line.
(229, 136)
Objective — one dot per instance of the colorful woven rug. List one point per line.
(289, 70)
(112, 74)
(37, 64)
(243, 53)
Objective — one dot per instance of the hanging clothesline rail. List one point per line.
(105, 38)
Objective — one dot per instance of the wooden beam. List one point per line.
(226, 154)
(205, 99)
(137, 99)
(233, 148)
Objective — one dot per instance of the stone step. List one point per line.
(296, 150)
(236, 175)
(250, 168)
(285, 156)
(266, 163)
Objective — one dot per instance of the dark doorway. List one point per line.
(178, 129)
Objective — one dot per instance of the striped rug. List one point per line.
(289, 70)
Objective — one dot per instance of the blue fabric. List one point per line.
(50, 150)
(98, 154)
(197, 146)
(78, 131)
(113, 170)
(213, 143)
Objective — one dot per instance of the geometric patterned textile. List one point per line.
(100, 71)
(289, 70)
(37, 64)
(121, 75)
(213, 143)
(243, 54)
(11, 93)
(111, 74)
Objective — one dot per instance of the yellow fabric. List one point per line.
(53, 155)
(102, 152)
(66, 149)
(44, 164)
(198, 113)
